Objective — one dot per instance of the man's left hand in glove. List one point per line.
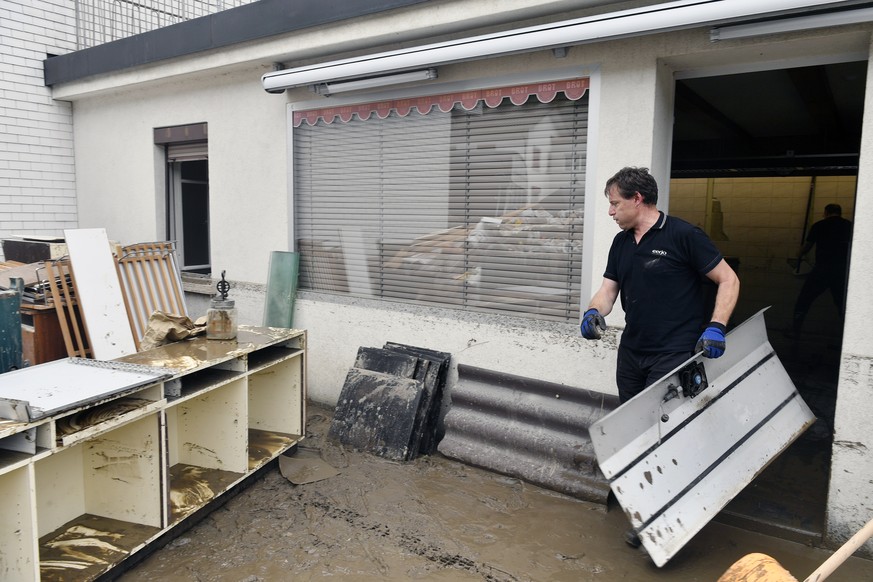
(712, 340)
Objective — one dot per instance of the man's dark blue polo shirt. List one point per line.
(661, 284)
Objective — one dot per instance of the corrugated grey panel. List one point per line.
(527, 428)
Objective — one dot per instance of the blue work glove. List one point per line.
(592, 324)
(712, 341)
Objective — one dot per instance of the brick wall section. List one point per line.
(37, 171)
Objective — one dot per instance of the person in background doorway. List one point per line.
(832, 239)
(657, 265)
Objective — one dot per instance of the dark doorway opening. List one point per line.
(756, 157)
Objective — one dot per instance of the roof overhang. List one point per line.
(664, 17)
(256, 21)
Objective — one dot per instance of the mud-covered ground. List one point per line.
(436, 519)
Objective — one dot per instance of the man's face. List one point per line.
(622, 210)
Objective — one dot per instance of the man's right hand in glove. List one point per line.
(593, 324)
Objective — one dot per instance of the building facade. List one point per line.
(461, 208)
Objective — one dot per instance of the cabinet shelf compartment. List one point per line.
(206, 446)
(265, 446)
(93, 421)
(88, 546)
(18, 553)
(271, 355)
(22, 442)
(192, 487)
(99, 500)
(191, 384)
(275, 409)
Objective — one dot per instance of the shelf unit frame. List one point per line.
(86, 487)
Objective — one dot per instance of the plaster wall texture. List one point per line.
(37, 174)
(850, 499)
(628, 118)
(553, 352)
(850, 502)
(549, 351)
(122, 171)
(338, 326)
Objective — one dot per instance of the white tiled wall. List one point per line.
(37, 173)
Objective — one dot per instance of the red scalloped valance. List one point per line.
(572, 89)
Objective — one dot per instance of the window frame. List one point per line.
(590, 247)
(572, 278)
(182, 144)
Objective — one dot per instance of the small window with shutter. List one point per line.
(187, 156)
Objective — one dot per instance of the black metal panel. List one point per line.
(530, 429)
(183, 38)
(387, 362)
(393, 362)
(432, 371)
(376, 413)
(245, 23)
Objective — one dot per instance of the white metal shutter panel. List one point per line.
(478, 210)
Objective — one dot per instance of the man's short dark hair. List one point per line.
(833, 210)
(631, 180)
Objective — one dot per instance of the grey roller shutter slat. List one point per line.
(480, 211)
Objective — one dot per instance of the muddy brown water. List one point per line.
(435, 519)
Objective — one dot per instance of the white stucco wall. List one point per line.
(121, 187)
(338, 326)
(631, 101)
(552, 352)
(624, 132)
(850, 502)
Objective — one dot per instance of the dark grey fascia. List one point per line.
(245, 23)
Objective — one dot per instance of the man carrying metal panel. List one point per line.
(679, 451)
(657, 264)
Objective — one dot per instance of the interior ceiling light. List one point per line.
(374, 82)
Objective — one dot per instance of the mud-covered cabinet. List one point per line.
(100, 459)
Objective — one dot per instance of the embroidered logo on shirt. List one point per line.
(659, 252)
